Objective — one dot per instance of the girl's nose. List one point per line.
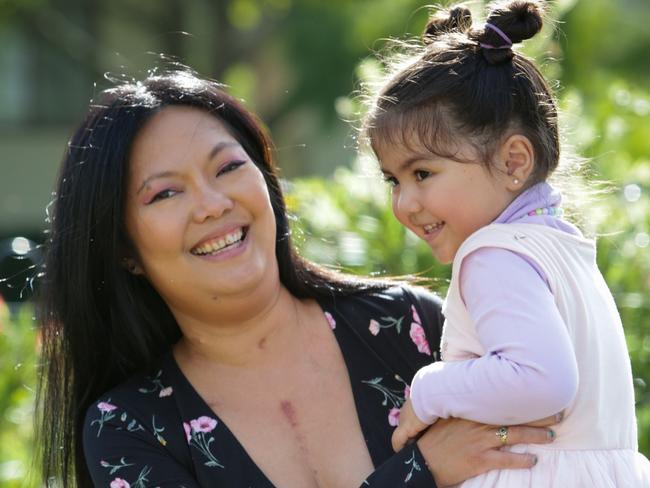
(408, 201)
(211, 203)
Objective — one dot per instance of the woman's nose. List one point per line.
(211, 203)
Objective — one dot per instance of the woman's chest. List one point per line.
(301, 428)
(303, 440)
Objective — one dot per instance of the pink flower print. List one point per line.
(393, 417)
(120, 483)
(203, 424)
(374, 327)
(419, 339)
(330, 320)
(416, 317)
(104, 463)
(165, 392)
(195, 433)
(188, 431)
(407, 392)
(105, 407)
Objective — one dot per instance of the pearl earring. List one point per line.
(515, 181)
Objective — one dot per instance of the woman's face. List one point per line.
(198, 210)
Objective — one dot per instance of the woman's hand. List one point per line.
(458, 449)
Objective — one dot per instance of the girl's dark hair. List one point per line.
(100, 323)
(458, 88)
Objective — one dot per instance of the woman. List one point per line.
(187, 344)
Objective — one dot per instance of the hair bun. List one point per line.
(518, 19)
(458, 19)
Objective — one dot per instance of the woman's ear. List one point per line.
(517, 158)
(132, 266)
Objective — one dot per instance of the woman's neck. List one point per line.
(241, 332)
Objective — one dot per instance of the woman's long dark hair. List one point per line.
(101, 324)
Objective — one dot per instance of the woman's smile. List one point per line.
(222, 245)
(201, 219)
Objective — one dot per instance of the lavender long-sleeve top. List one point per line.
(529, 370)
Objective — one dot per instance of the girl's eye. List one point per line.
(231, 166)
(421, 174)
(163, 195)
(391, 180)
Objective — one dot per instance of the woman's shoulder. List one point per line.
(397, 298)
(389, 296)
(135, 430)
(132, 403)
(394, 320)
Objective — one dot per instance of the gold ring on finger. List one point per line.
(502, 434)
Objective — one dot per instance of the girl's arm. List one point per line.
(529, 370)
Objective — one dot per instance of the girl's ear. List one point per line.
(517, 160)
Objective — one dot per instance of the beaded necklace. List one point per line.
(553, 211)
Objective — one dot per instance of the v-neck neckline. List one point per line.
(357, 394)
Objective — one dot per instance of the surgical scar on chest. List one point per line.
(289, 413)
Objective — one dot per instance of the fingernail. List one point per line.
(550, 433)
(559, 417)
(534, 460)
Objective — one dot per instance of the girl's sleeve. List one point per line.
(406, 468)
(120, 451)
(529, 369)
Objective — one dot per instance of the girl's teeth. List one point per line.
(432, 227)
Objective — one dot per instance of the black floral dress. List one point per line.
(156, 431)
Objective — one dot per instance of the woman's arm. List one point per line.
(453, 450)
(529, 369)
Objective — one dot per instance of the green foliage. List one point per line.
(18, 358)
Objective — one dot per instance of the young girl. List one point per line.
(466, 133)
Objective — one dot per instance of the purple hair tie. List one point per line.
(508, 43)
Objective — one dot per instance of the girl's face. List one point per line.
(441, 200)
(198, 210)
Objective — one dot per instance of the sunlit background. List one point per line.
(299, 64)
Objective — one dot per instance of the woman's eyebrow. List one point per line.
(220, 147)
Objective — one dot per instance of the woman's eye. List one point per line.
(421, 174)
(233, 165)
(163, 195)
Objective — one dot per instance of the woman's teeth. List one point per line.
(217, 245)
